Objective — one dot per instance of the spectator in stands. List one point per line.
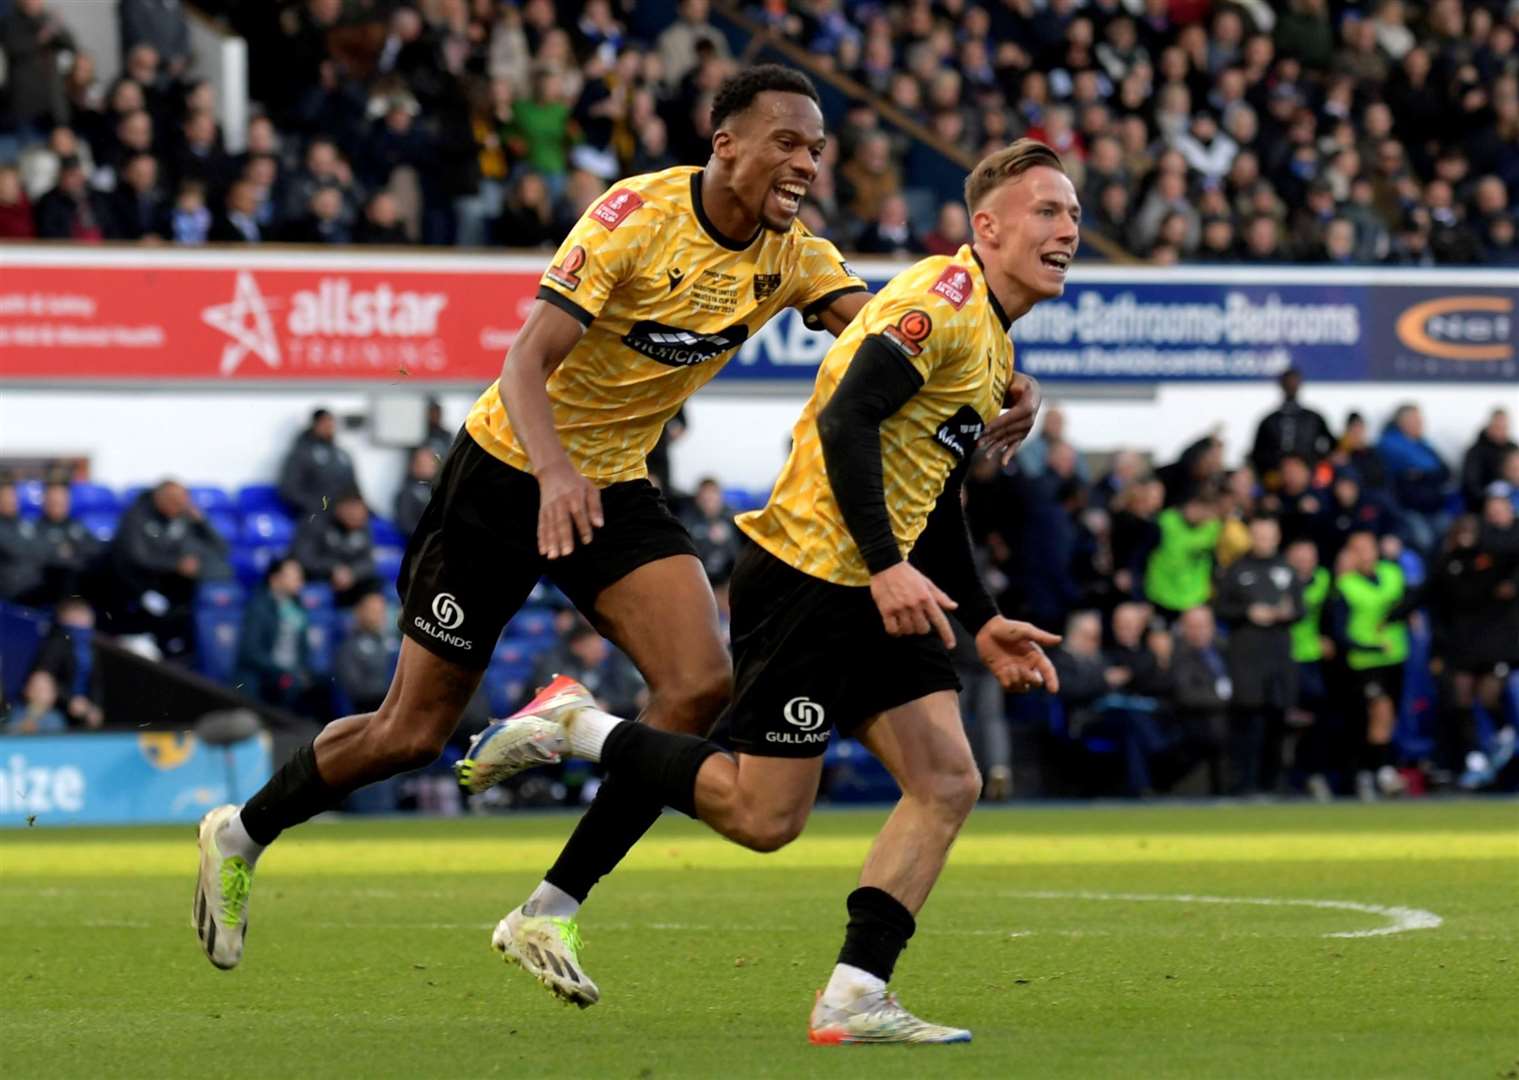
(323, 222)
(37, 712)
(163, 548)
(589, 658)
(1134, 666)
(1259, 598)
(189, 217)
(367, 658)
(1420, 479)
(1203, 693)
(161, 24)
(381, 223)
(1083, 672)
(1201, 465)
(416, 490)
(709, 519)
(1178, 574)
(1366, 616)
(273, 651)
(337, 547)
(869, 177)
(73, 210)
(1319, 745)
(16, 217)
(199, 154)
(20, 552)
(65, 655)
(238, 223)
(891, 233)
(316, 469)
(323, 167)
(950, 231)
(137, 205)
(541, 132)
(1297, 505)
(31, 38)
(1291, 429)
(1483, 462)
(439, 437)
(1134, 533)
(527, 215)
(67, 548)
(1346, 510)
(1500, 533)
(1354, 450)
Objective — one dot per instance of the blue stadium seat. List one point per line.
(259, 498)
(323, 635)
(532, 623)
(129, 495)
(21, 632)
(514, 651)
(385, 533)
(317, 596)
(93, 498)
(212, 499)
(225, 595)
(245, 566)
(387, 563)
(101, 523)
(271, 527)
(740, 500)
(216, 633)
(29, 493)
(547, 594)
(226, 524)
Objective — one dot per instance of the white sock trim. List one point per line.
(588, 730)
(552, 901)
(848, 984)
(234, 840)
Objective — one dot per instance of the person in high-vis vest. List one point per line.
(1312, 652)
(1179, 575)
(1367, 616)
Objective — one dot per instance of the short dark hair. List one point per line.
(738, 92)
(320, 414)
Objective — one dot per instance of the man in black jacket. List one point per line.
(416, 489)
(20, 552)
(67, 547)
(1483, 462)
(367, 658)
(163, 548)
(1259, 598)
(1203, 692)
(1291, 429)
(337, 547)
(316, 470)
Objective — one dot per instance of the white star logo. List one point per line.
(258, 339)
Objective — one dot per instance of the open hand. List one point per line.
(1014, 652)
(569, 506)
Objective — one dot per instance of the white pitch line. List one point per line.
(1402, 918)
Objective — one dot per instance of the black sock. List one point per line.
(879, 926)
(619, 815)
(295, 793)
(663, 764)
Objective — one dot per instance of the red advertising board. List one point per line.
(220, 317)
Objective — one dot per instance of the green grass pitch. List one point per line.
(1183, 941)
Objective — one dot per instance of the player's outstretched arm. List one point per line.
(568, 504)
(1007, 431)
(878, 383)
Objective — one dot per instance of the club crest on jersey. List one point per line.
(567, 273)
(960, 432)
(765, 285)
(910, 331)
(615, 208)
(954, 285)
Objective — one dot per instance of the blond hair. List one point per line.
(994, 170)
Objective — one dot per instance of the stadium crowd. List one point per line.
(1314, 131)
(1228, 630)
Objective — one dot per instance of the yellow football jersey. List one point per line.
(667, 300)
(940, 315)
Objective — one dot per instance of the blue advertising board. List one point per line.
(109, 779)
(1229, 323)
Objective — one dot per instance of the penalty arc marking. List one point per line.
(1400, 919)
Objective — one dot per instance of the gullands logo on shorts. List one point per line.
(450, 616)
(807, 717)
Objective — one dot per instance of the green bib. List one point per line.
(1307, 647)
(1374, 642)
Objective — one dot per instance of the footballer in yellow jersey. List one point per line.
(843, 581)
(667, 300)
(944, 322)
